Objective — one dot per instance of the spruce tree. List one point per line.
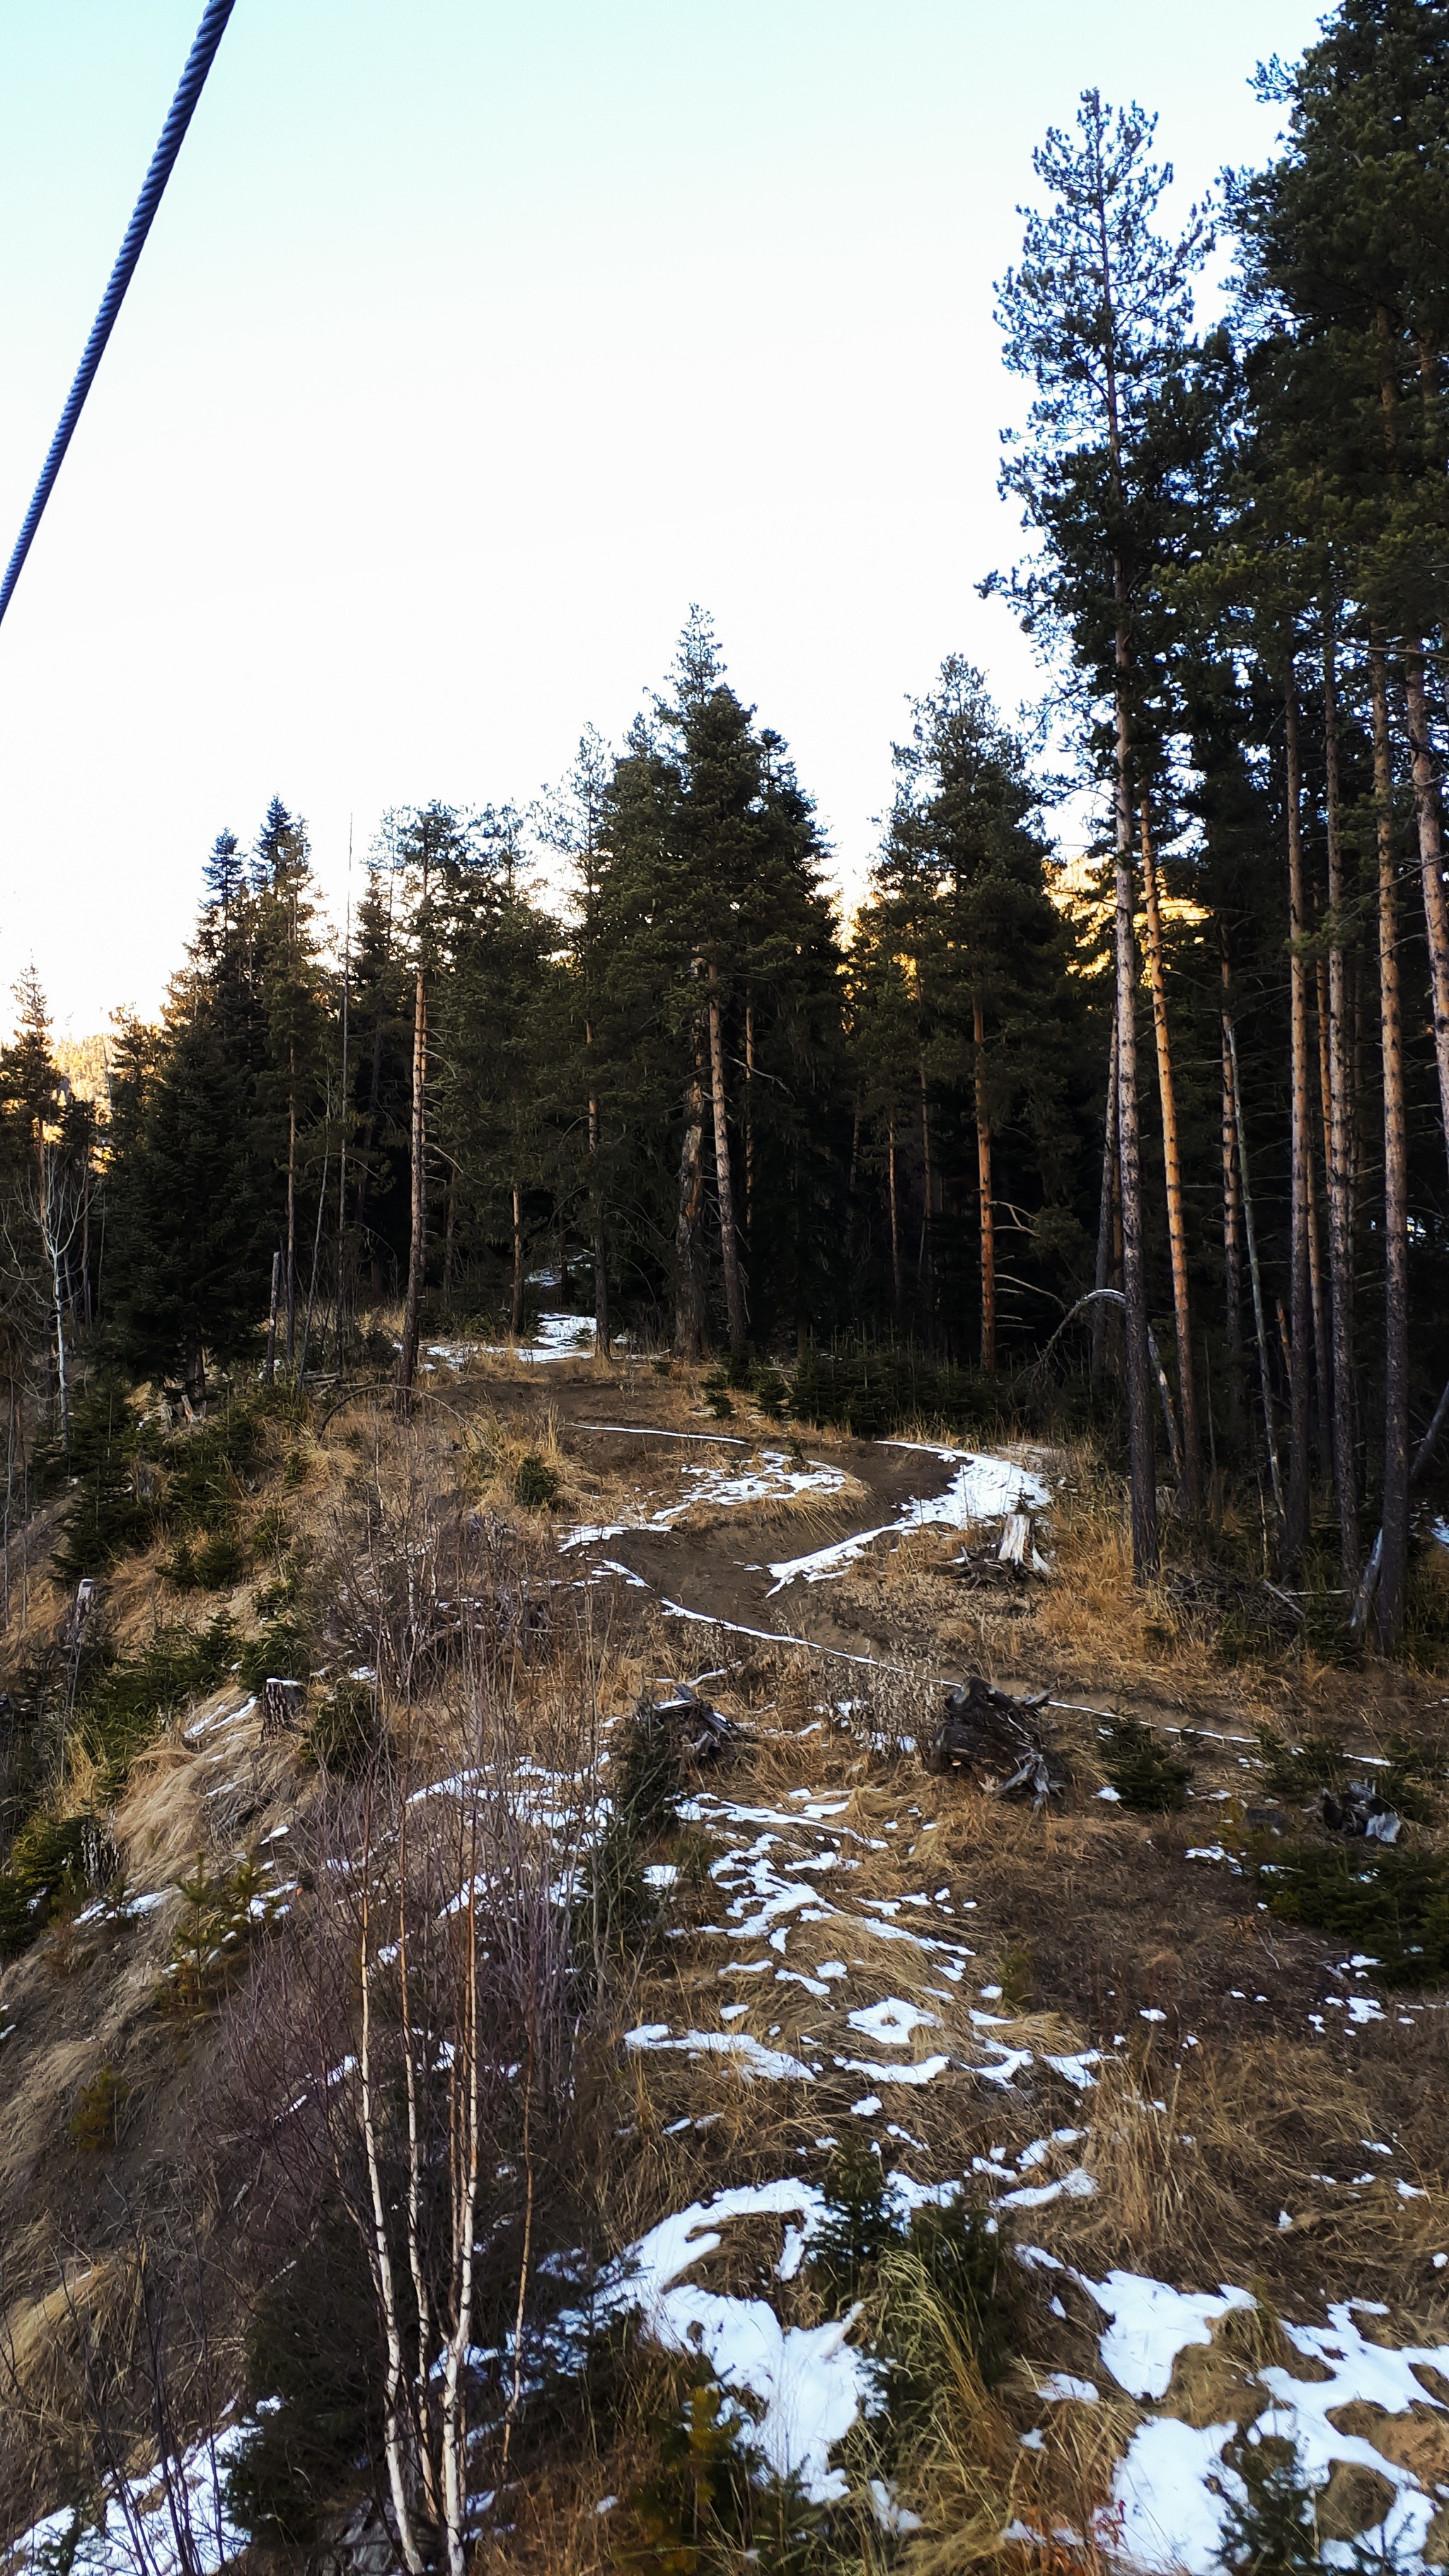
(961, 928)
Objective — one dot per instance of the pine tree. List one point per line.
(1098, 315)
(713, 958)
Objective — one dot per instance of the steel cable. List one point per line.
(163, 161)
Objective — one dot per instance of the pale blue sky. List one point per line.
(472, 343)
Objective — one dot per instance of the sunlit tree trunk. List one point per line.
(895, 1221)
(1107, 1218)
(1232, 1215)
(1140, 1434)
(1172, 1167)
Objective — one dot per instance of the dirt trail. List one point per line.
(724, 1571)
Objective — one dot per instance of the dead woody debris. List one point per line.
(1014, 1556)
(1358, 1813)
(986, 1732)
(281, 1706)
(703, 1734)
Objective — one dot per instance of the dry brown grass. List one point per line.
(1083, 1914)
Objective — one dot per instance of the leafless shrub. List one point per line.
(410, 2053)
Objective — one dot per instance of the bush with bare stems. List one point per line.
(408, 2058)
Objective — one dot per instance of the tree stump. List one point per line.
(281, 1707)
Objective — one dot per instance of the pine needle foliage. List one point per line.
(1390, 1904)
(1144, 1774)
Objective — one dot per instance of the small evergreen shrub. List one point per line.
(271, 1533)
(95, 2122)
(132, 1697)
(770, 1390)
(219, 1918)
(858, 2227)
(310, 2342)
(1144, 1774)
(220, 1561)
(47, 1871)
(1413, 1781)
(872, 1391)
(1301, 1770)
(347, 1735)
(960, 2251)
(535, 1484)
(703, 2511)
(645, 1783)
(114, 1487)
(715, 1390)
(1274, 2530)
(283, 1650)
(1389, 1903)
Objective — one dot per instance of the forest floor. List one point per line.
(1210, 2145)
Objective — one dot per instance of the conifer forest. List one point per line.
(1094, 1154)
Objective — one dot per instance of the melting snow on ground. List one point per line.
(771, 1478)
(808, 2383)
(982, 1489)
(554, 1337)
(1173, 2485)
(151, 2526)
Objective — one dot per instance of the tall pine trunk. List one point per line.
(688, 1296)
(1341, 1145)
(515, 1316)
(750, 1124)
(602, 1335)
(418, 1195)
(1172, 1166)
(724, 1179)
(895, 1222)
(1300, 1327)
(1427, 813)
(1107, 1218)
(1232, 1215)
(1320, 1148)
(291, 1207)
(1255, 1274)
(925, 1263)
(984, 1192)
(1431, 864)
(1140, 1431)
(1394, 1557)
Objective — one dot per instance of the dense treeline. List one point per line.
(1184, 1104)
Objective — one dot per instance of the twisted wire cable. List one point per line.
(163, 161)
